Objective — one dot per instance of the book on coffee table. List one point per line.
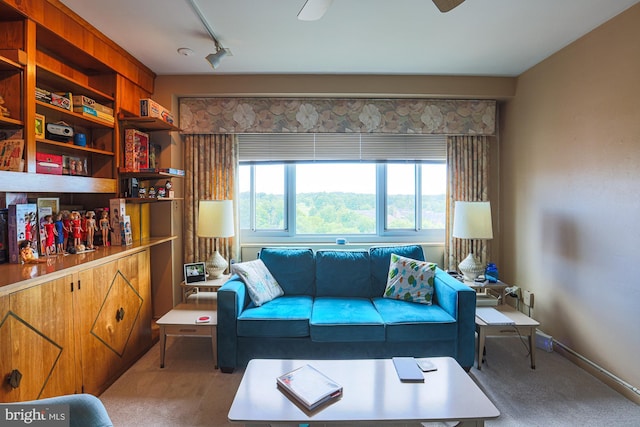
(309, 387)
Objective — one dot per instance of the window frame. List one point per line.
(382, 233)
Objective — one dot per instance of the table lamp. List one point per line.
(472, 220)
(215, 219)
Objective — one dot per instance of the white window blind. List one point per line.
(340, 147)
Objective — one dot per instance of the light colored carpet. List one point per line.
(190, 392)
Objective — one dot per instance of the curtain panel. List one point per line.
(467, 181)
(210, 174)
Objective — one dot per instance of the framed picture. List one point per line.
(53, 203)
(39, 126)
(194, 272)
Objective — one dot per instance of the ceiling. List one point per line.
(479, 37)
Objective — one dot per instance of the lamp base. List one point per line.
(216, 265)
(471, 268)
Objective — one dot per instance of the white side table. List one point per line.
(181, 321)
(211, 285)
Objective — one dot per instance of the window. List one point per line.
(288, 196)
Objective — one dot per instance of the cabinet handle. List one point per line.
(14, 378)
(78, 284)
(120, 314)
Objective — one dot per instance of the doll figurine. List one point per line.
(104, 227)
(91, 227)
(27, 254)
(59, 230)
(50, 235)
(66, 222)
(76, 228)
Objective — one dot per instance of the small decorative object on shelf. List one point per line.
(4, 111)
(491, 273)
(152, 193)
(91, 227)
(27, 254)
(105, 227)
(162, 193)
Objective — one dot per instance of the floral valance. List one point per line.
(337, 115)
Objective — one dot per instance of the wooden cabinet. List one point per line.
(37, 342)
(78, 332)
(115, 322)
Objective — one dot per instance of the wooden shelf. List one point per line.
(7, 64)
(79, 119)
(40, 182)
(124, 173)
(9, 123)
(148, 124)
(71, 147)
(151, 199)
(60, 83)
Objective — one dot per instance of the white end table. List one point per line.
(181, 321)
(523, 326)
(211, 285)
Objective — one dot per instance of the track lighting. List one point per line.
(215, 58)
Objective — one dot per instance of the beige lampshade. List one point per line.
(472, 220)
(215, 218)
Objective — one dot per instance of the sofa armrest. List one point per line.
(232, 299)
(459, 301)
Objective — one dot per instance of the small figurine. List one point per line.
(59, 230)
(104, 227)
(142, 192)
(27, 254)
(50, 235)
(168, 185)
(4, 111)
(161, 192)
(152, 193)
(66, 222)
(91, 227)
(76, 228)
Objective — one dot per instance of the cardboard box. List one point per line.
(117, 211)
(62, 100)
(136, 149)
(49, 163)
(150, 108)
(23, 225)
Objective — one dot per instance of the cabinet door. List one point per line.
(40, 347)
(113, 319)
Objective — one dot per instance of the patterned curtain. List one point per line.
(468, 181)
(210, 174)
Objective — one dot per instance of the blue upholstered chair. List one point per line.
(85, 410)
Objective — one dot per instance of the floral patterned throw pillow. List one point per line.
(261, 284)
(410, 280)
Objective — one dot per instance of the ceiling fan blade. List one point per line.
(447, 5)
(314, 10)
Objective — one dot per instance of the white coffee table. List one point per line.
(372, 395)
(182, 321)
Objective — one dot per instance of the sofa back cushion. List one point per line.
(293, 268)
(380, 259)
(343, 274)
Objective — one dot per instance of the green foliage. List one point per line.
(340, 213)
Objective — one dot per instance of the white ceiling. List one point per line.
(480, 37)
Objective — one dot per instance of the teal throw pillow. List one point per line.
(260, 283)
(410, 280)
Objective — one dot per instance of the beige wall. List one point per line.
(570, 194)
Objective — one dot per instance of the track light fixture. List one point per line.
(213, 58)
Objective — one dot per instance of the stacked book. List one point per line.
(309, 387)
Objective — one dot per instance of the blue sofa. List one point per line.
(332, 308)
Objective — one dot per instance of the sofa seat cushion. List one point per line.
(336, 319)
(410, 321)
(284, 317)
